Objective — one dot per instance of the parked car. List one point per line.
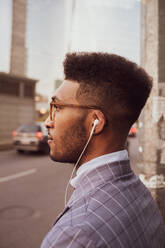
(31, 137)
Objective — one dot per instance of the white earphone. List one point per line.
(96, 122)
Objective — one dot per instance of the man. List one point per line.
(110, 207)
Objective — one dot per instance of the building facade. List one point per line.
(17, 105)
(17, 92)
(152, 121)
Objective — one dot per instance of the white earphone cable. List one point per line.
(90, 136)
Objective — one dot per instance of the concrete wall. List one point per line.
(161, 65)
(152, 121)
(16, 106)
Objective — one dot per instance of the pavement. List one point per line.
(32, 189)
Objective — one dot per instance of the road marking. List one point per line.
(17, 175)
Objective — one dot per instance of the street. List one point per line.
(32, 189)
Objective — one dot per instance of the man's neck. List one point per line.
(93, 153)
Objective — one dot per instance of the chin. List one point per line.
(62, 159)
(53, 157)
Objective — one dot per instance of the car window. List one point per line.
(29, 128)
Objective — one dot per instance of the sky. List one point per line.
(114, 27)
(96, 25)
(46, 42)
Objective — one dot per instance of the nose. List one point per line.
(48, 123)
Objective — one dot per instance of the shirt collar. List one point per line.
(97, 162)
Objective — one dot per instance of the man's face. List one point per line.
(67, 131)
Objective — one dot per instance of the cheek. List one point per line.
(68, 125)
(63, 120)
(61, 125)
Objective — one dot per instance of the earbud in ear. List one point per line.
(96, 122)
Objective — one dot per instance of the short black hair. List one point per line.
(119, 86)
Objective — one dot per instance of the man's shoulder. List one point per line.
(120, 194)
(107, 202)
(114, 213)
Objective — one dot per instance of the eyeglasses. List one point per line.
(54, 106)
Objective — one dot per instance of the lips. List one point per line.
(50, 139)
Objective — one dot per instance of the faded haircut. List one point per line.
(110, 81)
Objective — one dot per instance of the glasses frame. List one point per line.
(70, 105)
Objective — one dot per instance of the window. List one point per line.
(28, 90)
(9, 88)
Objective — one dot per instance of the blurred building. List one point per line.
(16, 104)
(16, 90)
(42, 107)
(152, 121)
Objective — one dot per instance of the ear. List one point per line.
(97, 114)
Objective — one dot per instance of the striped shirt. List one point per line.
(97, 162)
(110, 207)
